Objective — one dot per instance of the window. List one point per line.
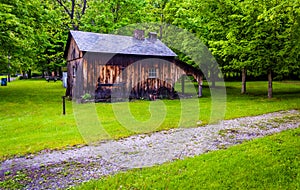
(74, 71)
(152, 73)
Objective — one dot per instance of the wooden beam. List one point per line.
(200, 82)
(182, 83)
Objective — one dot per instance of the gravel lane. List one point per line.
(61, 169)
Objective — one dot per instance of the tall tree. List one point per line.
(31, 34)
(193, 16)
(51, 34)
(258, 36)
(274, 38)
(14, 32)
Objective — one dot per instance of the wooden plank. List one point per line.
(182, 83)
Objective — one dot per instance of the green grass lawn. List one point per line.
(31, 118)
(271, 162)
(31, 113)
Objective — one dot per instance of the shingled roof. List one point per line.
(109, 43)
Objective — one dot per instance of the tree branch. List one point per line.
(66, 9)
(73, 9)
(83, 8)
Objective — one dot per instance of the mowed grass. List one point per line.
(31, 118)
(31, 113)
(286, 95)
(271, 162)
(255, 102)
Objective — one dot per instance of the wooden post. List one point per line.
(182, 83)
(64, 105)
(200, 86)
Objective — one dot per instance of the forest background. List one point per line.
(257, 38)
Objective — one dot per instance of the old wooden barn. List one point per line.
(113, 67)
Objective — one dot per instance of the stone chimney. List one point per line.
(152, 36)
(139, 34)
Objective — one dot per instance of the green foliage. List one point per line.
(258, 35)
(16, 183)
(12, 32)
(275, 25)
(32, 36)
(107, 16)
(86, 96)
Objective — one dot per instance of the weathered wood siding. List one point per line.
(74, 60)
(130, 73)
(73, 52)
(141, 83)
(100, 73)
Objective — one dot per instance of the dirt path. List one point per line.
(61, 169)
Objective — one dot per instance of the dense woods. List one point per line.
(250, 38)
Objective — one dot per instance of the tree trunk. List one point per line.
(270, 88)
(8, 67)
(244, 74)
(72, 13)
(60, 73)
(29, 73)
(8, 73)
(161, 26)
(24, 74)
